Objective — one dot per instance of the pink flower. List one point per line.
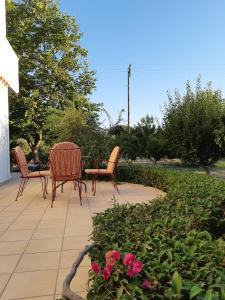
(148, 284)
(134, 268)
(107, 272)
(95, 267)
(112, 257)
(131, 273)
(129, 259)
(137, 266)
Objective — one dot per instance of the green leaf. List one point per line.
(119, 293)
(177, 282)
(208, 295)
(195, 290)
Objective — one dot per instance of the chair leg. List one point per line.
(20, 188)
(46, 184)
(43, 187)
(94, 184)
(25, 181)
(80, 191)
(53, 192)
(85, 186)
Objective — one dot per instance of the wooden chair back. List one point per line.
(65, 162)
(113, 159)
(21, 161)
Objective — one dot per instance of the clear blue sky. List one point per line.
(167, 43)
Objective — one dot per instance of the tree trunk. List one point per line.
(35, 146)
(35, 154)
(207, 170)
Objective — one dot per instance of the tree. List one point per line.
(144, 129)
(80, 126)
(195, 125)
(53, 66)
(156, 147)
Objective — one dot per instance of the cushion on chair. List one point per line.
(97, 172)
(38, 174)
(45, 173)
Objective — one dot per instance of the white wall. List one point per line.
(4, 134)
(9, 76)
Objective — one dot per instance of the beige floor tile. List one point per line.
(16, 235)
(23, 225)
(4, 226)
(5, 213)
(52, 297)
(38, 261)
(44, 233)
(13, 208)
(39, 205)
(80, 218)
(83, 295)
(22, 218)
(68, 258)
(78, 222)
(3, 281)
(48, 217)
(44, 245)
(30, 284)
(75, 242)
(58, 223)
(56, 210)
(6, 219)
(8, 263)
(78, 284)
(78, 230)
(8, 248)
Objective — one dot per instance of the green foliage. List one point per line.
(145, 140)
(194, 125)
(53, 66)
(78, 126)
(179, 238)
(151, 140)
(24, 145)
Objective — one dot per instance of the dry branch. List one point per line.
(67, 292)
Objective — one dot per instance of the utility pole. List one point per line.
(128, 99)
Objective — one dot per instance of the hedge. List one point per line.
(180, 239)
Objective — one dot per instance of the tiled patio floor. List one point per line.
(38, 244)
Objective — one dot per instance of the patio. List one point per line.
(38, 244)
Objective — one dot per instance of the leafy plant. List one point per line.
(194, 125)
(178, 238)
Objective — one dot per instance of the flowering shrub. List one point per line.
(134, 266)
(128, 269)
(179, 241)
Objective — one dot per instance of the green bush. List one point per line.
(179, 238)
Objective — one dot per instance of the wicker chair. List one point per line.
(110, 171)
(66, 165)
(26, 175)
